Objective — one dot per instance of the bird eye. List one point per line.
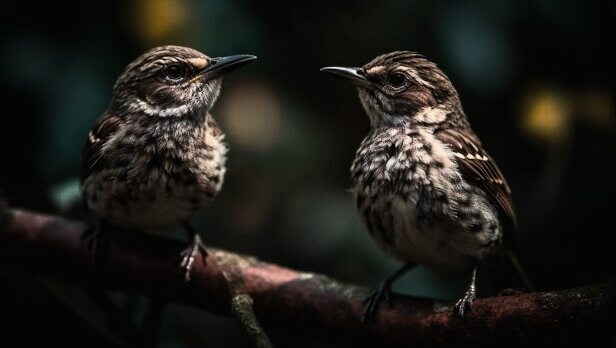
(175, 72)
(396, 79)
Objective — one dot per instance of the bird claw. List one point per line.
(464, 304)
(189, 254)
(373, 301)
(96, 243)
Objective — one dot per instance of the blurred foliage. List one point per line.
(534, 78)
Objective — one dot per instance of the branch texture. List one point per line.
(304, 304)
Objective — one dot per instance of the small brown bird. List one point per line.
(424, 186)
(156, 156)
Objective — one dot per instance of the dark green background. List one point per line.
(293, 132)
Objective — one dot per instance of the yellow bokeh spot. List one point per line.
(157, 21)
(547, 116)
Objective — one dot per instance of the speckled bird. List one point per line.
(156, 156)
(425, 188)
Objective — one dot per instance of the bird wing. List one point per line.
(92, 153)
(478, 167)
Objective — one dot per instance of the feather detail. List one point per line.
(478, 167)
(92, 156)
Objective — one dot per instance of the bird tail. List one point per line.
(520, 271)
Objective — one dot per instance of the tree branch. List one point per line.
(305, 304)
(242, 309)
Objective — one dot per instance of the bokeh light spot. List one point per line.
(250, 113)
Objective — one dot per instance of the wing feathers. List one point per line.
(477, 166)
(92, 154)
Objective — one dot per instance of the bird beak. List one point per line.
(352, 75)
(220, 66)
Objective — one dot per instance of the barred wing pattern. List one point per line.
(478, 167)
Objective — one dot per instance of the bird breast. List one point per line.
(415, 204)
(159, 185)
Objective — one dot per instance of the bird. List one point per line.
(156, 156)
(423, 184)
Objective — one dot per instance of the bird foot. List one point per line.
(463, 305)
(373, 301)
(189, 254)
(96, 243)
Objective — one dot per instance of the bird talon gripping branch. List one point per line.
(190, 253)
(95, 239)
(372, 302)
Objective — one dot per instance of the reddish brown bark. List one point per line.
(306, 304)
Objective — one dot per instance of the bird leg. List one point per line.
(95, 238)
(373, 301)
(464, 304)
(191, 251)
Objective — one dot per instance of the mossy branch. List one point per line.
(305, 304)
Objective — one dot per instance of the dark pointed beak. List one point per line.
(220, 66)
(352, 75)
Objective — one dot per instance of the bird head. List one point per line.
(173, 81)
(402, 87)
